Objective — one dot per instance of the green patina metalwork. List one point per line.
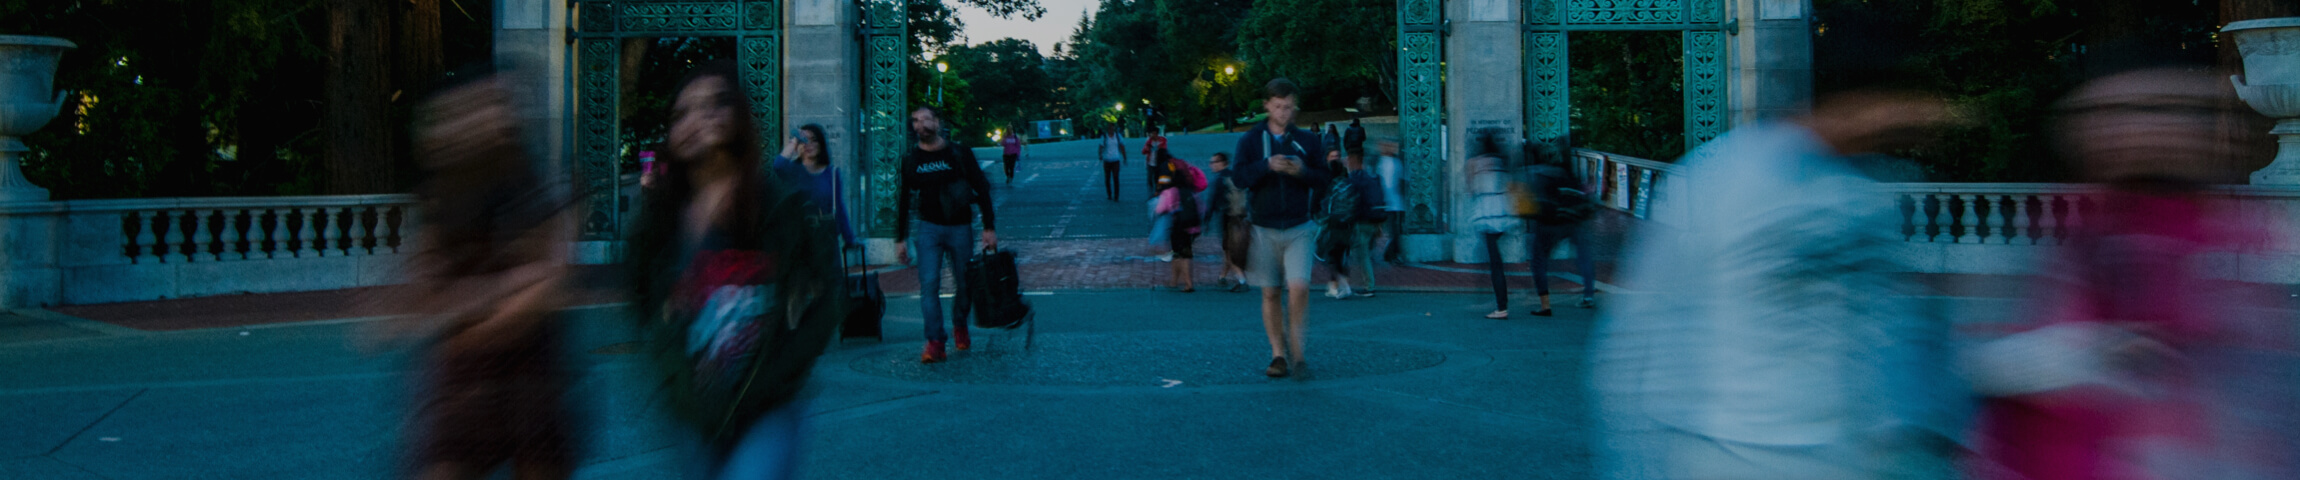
(1549, 107)
(1421, 111)
(886, 55)
(600, 25)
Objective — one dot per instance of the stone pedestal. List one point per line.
(822, 78)
(2271, 85)
(1772, 59)
(1484, 93)
(531, 43)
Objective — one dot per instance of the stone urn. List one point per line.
(2271, 85)
(28, 99)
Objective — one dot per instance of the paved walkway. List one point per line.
(1121, 382)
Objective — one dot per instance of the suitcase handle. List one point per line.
(853, 255)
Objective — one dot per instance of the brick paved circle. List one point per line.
(1141, 359)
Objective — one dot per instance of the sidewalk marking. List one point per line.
(92, 424)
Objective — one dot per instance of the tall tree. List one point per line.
(356, 127)
(1007, 83)
(1338, 50)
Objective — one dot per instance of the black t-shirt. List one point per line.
(942, 185)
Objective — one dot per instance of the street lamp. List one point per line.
(939, 69)
(1229, 70)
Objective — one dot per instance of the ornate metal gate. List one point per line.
(600, 27)
(886, 57)
(1421, 110)
(1548, 108)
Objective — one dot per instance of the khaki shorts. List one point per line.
(1281, 257)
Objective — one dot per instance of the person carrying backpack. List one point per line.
(1178, 186)
(1338, 219)
(1563, 209)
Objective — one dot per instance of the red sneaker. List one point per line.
(933, 353)
(960, 339)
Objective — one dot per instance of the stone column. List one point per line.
(531, 38)
(1771, 59)
(821, 85)
(1485, 91)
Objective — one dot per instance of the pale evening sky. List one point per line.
(1061, 17)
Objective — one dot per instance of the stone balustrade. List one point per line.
(1984, 228)
(99, 251)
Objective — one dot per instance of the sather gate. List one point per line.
(599, 29)
(1547, 25)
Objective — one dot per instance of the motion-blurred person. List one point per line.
(944, 185)
(1228, 205)
(488, 276)
(1563, 209)
(2184, 377)
(1150, 148)
(734, 278)
(1277, 164)
(1366, 226)
(1178, 187)
(1393, 174)
(1772, 345)
(806, 164)
(1491, 216)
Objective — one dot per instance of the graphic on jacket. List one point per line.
(726, 294)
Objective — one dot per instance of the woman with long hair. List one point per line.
(487, 278)
(732, 275)
(1491, 216)
(806, 164)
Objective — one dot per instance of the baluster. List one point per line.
(330, 230)
(1971, 221)
(199, 236)
(2016, 220)
(2060, 230)
(389, 240)
(172, 241)
(142, 243)
(275, 234)
(307, 235)
(1933, 229)
(355, 234)
(230, 236)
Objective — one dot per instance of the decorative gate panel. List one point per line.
(602, 24)
(1550, 22)
(886, 55)
(1421, 111)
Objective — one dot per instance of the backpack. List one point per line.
(1561, 205)
(1342, 204)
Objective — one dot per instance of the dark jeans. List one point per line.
(1494, 271)
(1394, 225)
(1545, 240)
(934, 243)
(1010, 158)
(1110, 180)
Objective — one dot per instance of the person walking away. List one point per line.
(1392, 172)
(944, 184)
(1150, 148)
(1228, 205)
(1332, 139)
(1491, 215)
(805, 163)
(2194, 376)
(735, 281)
(1563, 209)
(1012, 143)
(1354, 138)
(1774, 344)
(1337, 219)
(1113, 156)
(1179, 184)
(1277, 164)
(488, 278)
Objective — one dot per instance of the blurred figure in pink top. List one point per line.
(2147, 361)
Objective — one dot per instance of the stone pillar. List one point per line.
(821, 85)
(531, 36)
(1771, 59)
(1485, 91)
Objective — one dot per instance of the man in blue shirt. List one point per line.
(1282, 169)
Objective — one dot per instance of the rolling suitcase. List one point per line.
(866, 303)
(995, 288)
